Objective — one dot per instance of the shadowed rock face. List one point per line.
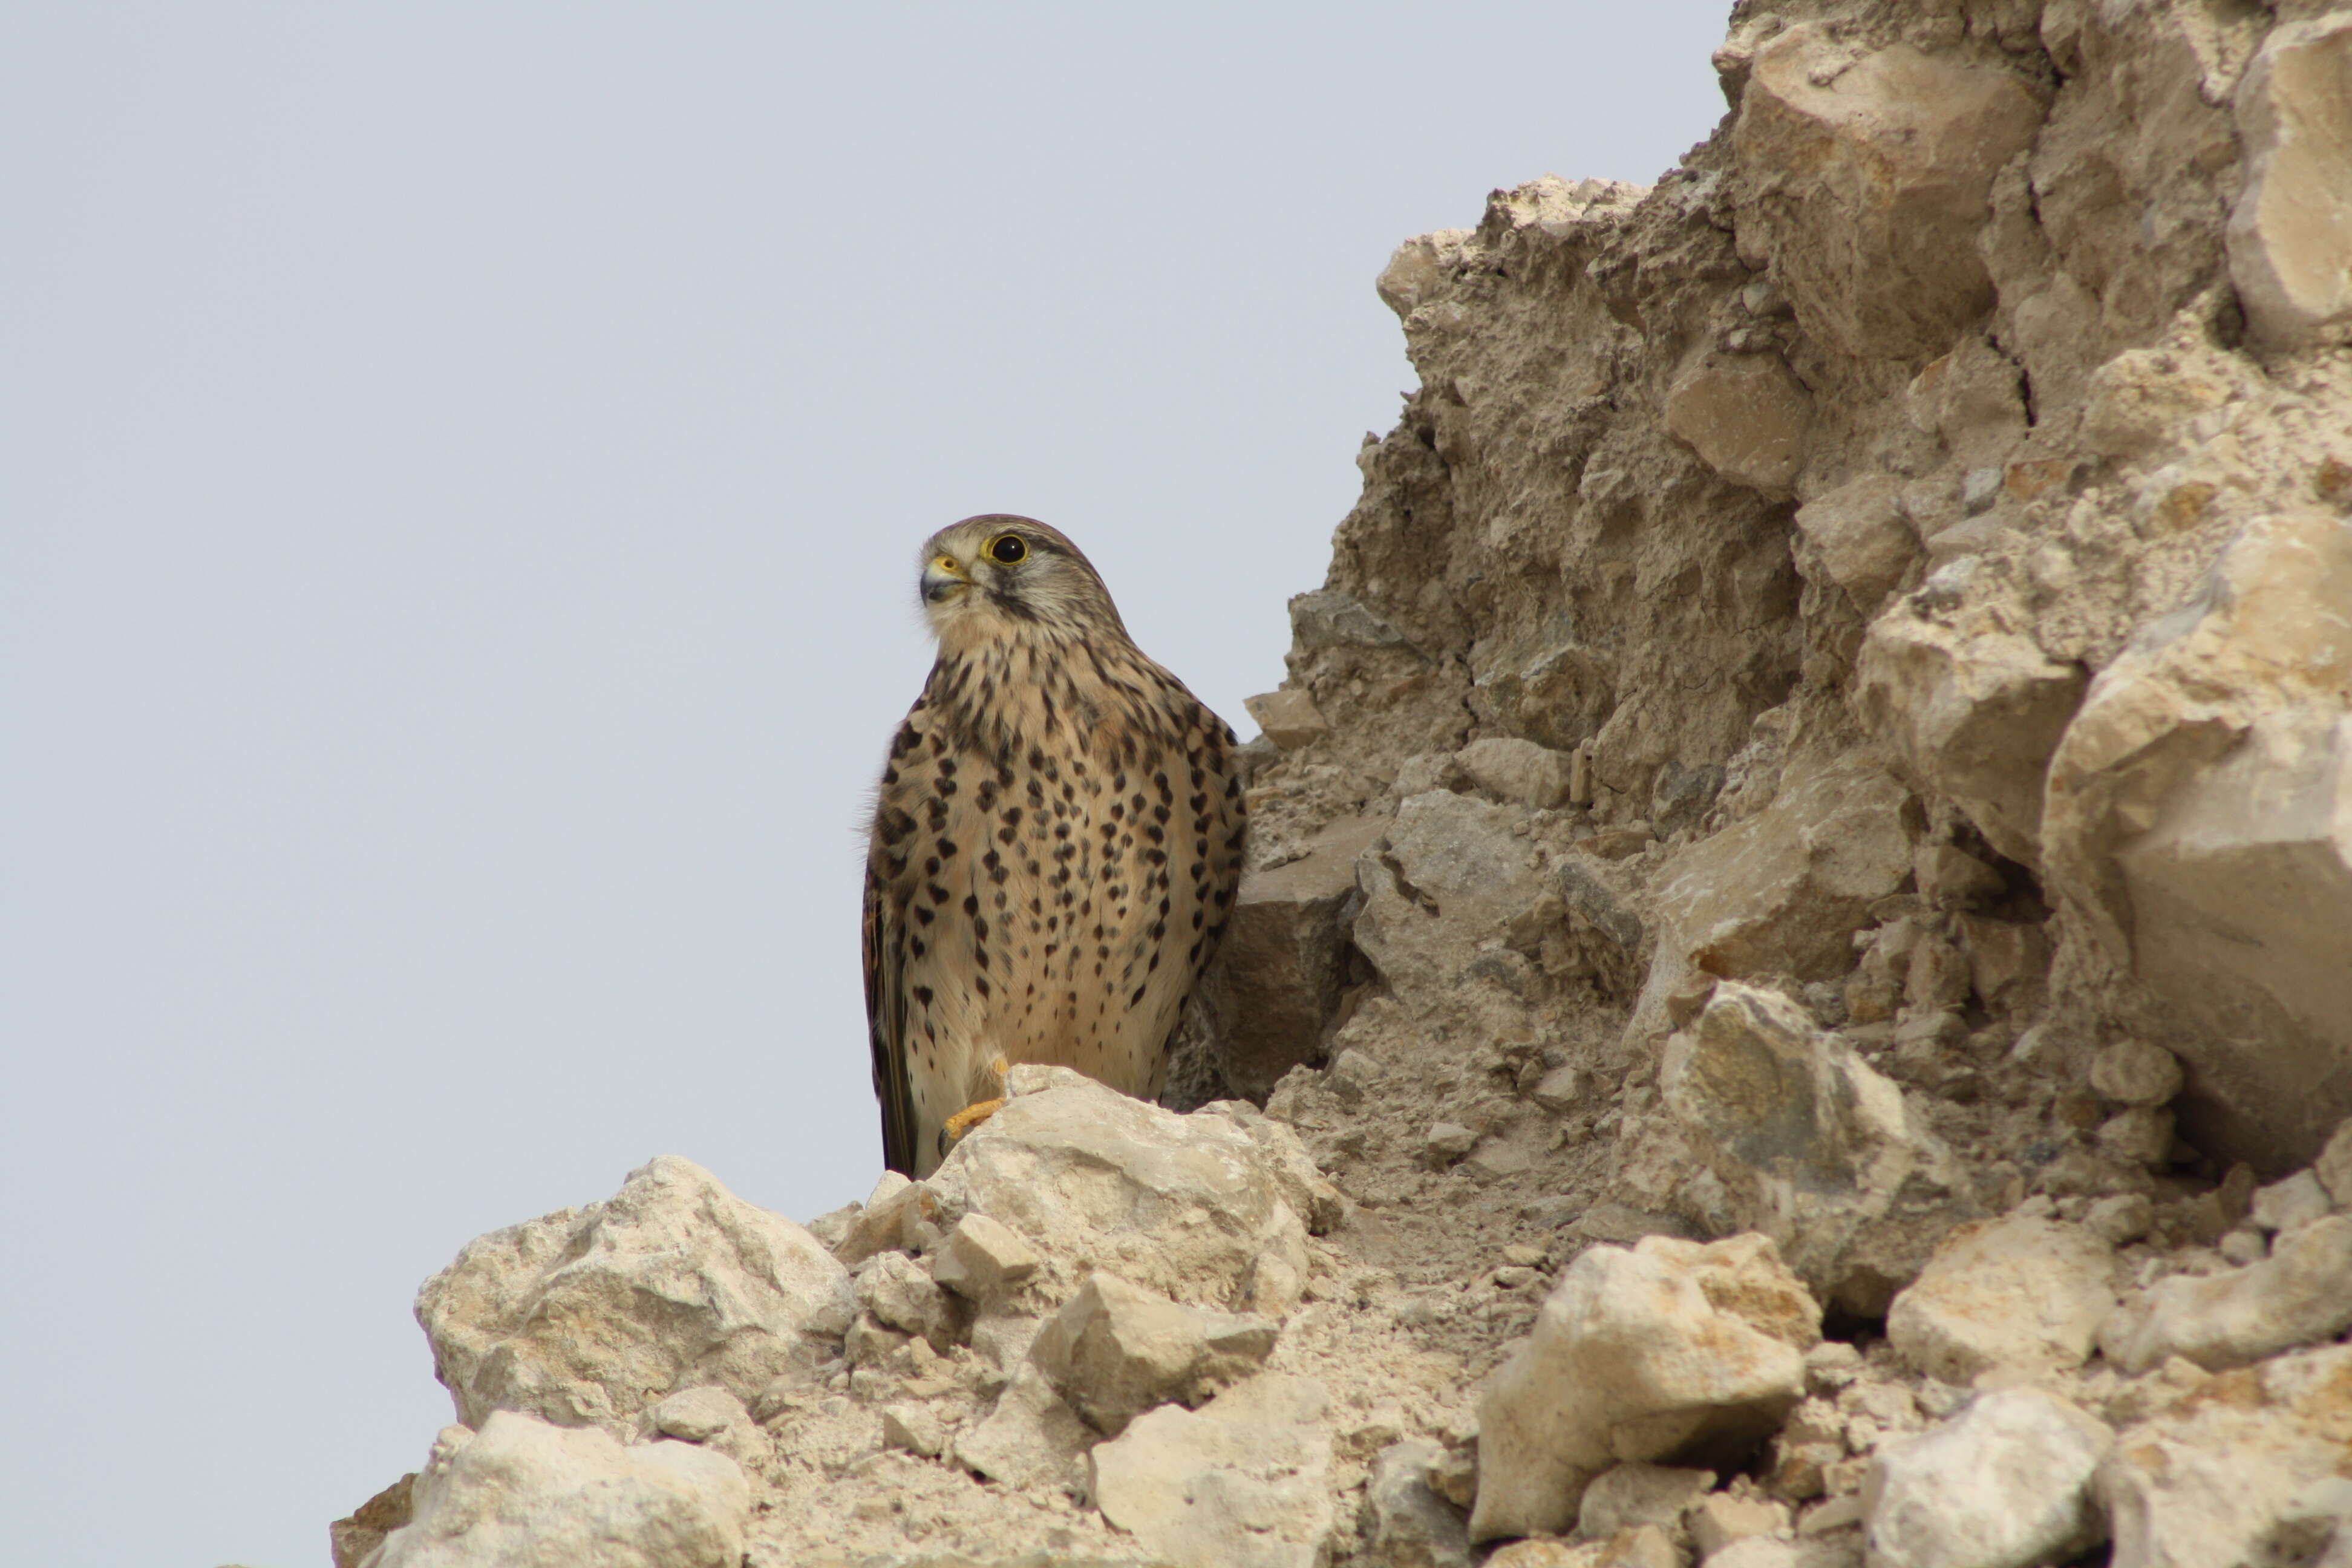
(1814, 790)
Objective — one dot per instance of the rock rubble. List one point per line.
(1789, 1002)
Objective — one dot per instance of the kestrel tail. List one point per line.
(1055, 847)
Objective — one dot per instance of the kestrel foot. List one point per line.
(952, 1132)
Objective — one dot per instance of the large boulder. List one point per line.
(522, 1494)
(2292, 226)
(1193, 1207)
(1672, 1351)
(586, 1316)
(1870, 174)
(2199, 831)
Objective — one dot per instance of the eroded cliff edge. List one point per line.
(1816, 797)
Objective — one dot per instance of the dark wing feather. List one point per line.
(885, 1022)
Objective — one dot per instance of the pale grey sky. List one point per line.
(460, 471)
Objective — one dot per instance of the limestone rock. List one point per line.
(1632, 1358)
(1115, 1349)
(2292, 1204)
(1721, 1518)
(2333, 1166)
(2005, 1484)
(586, 1316)
(1404, 1523)
(1784, 891)
(1240, 1483)
(2291, 225)
(1746, 415)
(2300, 1295)
(523, 1494)
(983, 1258)
(1872, 175)
(1187, 1206)
(2133, 1072)
(1285, 1162)
(1452, 876)
(700, 1415)
(2216, 1477)
(1974, 718)
(1289, 718)
(1272, 991)
(2016, 1292)
(1517, 770)
(901, 1294)
(890, 1220)
(1031, 1438)
(1812, 1146)
(1857, 537)
(2198, 834)
(1625, 1497)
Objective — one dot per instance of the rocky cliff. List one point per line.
(1793, 1002)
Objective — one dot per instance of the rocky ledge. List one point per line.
(1794, 1000)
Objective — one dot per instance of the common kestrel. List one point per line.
(1056, 846)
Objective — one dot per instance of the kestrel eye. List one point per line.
(1006, 549)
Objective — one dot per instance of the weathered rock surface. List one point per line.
(2299, 1295)
(1115, 1349)
(1404, 1523)
(1813, 1147)
(1242, 1483)
(1634, 1358)
(1085, 1171)
(2019, 1292)
(2291, 225)
(2217, 1478)
(522, 1494)
(2005, 1484)
(584, 1317)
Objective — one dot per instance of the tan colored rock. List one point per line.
(891, 1219)
(588, 1315)
(1871, 175)
(1974, 398)
(2215, 1476)
(1857, 537)
(983, 1258)
(1814, 1147)
(1030, 1438)
(1627, 1495)
(1240, 1483)
(1187, 1206)
(913, 1428)
(2133, 1072)
(900, 1294)
(2291, 1204)
(2198, 832)
(1631, 1359)
(1746, 415)
(2005, 1484)
(1115, 1349)
(1271, 992)
(1784, 891)
(2019, 1292)
(523, 1494)
(2300, 1295)
(1718, 1521)
(1516, 770)
(1973, 717)
(1289, 718)
(1460, 854)
(2292, 226)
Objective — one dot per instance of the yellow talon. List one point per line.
(972, 1115)
(964, 1121)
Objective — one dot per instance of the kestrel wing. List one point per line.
(885, 1021)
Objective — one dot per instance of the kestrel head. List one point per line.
(998, 575)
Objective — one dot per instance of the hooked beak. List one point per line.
(943, 575)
